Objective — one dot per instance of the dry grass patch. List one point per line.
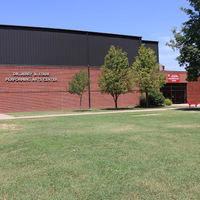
(146, 115)
(41, 118)
(184, 126)
(10, 127)
(122, 129)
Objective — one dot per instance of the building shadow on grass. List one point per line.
(189, 109)
(103, 109)
(79, 111)
(131, 108)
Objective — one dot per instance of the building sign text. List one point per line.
(31, 77)
(173, 78)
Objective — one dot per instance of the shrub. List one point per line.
(156, 99)
(143, 101)
(168, 102)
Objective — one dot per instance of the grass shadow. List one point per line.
(189, 109)
(132, 108)
(79, 111)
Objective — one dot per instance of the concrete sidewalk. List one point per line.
(7, 117)
(4, 116)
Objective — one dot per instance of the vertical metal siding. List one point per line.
(42, 46)
(100, 45)
(152, 45)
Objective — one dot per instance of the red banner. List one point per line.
(173, 78)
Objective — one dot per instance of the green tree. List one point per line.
(187, 41)
(115, 77)
(146, 73)
(78, 84)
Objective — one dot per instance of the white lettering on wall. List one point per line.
(31, 77)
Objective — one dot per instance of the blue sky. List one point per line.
(151, 19)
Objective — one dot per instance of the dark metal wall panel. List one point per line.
(99, 46)
(42, 47)
(153, 45)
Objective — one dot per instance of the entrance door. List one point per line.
(177, 92)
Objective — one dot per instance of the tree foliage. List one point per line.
(115, 77)
(146, 73)
(78, 84)
(187, 41)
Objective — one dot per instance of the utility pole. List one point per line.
(88, 65)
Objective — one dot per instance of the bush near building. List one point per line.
(167, 102)
(155, 99)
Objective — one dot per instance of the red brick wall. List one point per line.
(183, 75)
(194, 91)
(193, 88)
(99, 100)
(38, 96)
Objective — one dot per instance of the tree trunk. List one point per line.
(115, 100)
(80, 101)
(147, 99)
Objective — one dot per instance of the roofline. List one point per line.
(174, 71)
(68, 30)
(150, 41)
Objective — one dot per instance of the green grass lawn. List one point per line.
(148, 155)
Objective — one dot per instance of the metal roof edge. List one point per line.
(174, 71)
(153, 41)
(67, 30)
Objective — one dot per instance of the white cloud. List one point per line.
(170, 62)
(174, 68)
(167, 57)
(164, 38)
(163, 47)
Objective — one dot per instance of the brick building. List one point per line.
(178, 89)
(36, 65)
